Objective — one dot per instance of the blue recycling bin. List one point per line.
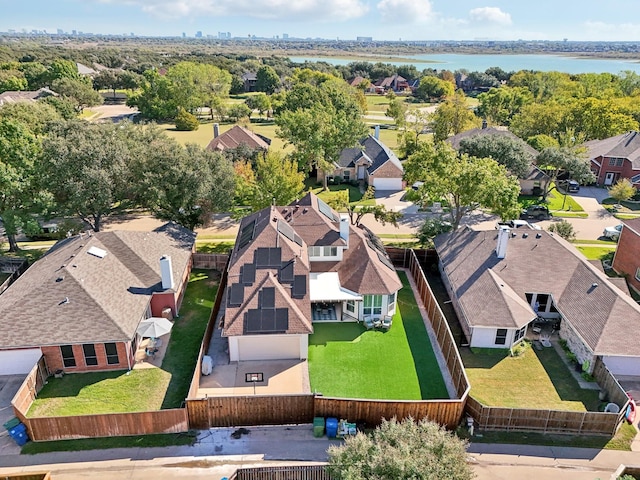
(21, 439)
(19, 434)
(331, 427)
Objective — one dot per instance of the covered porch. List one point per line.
(330, 301)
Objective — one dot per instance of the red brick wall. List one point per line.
(627, 258)
(53, 356)
(625, 171)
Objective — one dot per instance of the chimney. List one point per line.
(484, 123)
(376, 135)
(216, 130)
(503, 238)
(165, 272)
(344, 227)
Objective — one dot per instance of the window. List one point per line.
(501, 336)
(638, 274)
(542, 300)
(323, 251)
(372, 305)
(391, 302)
(68, 360)
(616, 161)
(519, 334)
(351, 306)
(90, 358)
(346, 175)
(111, 350)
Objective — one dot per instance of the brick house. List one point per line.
(372, 163)
(615, 158)
(627, 257)
(235, 137)
(501, 281)
(81, 303)
(295, 265)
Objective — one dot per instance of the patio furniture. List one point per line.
(368, 322)
(387, 322)
(377, 322)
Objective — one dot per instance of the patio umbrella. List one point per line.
(154, 327)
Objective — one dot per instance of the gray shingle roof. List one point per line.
(625, 145)
(372, 149)
(539, 263)
(107, 297)
(237, 136)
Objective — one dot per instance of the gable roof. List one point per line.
(373, 151)
(11, 96)
(271, 255)
(625, 145)
(236, 136)
(597, 310)
(73, 296)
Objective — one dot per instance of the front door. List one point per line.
(360, 172)
(609, 178)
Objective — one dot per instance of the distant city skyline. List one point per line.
(587, 20)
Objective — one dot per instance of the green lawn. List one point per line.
(355, 196)
(141, 389)
(346, 360)
(211, 246)
(537, 379)
(559, 204)
(596, 253)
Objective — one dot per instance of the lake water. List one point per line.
(451, 61)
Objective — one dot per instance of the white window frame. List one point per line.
(372, 305)
(638, 274)
(350, 306)
(501, 337)
(391, 302)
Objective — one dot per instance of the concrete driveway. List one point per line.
(9, 385)
(395, 200)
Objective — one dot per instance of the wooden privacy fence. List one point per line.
(298, 472)
(544, 421)
(29, 389)
(210, 261)
(609, 384)
(14, 266)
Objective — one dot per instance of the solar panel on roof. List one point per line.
(269, 320)
(253, 321)
(286, 272)
(248, 273)
(282, 319)
(268, 297)
(286, 230)
(299, 286)
(261, 257)
(384, 259)
(326, 211)
(246, 234)
(275, 257)
(236, 295)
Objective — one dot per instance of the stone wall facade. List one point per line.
(575, 344)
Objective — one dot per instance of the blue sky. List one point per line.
(608, 20)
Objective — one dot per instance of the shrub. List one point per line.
(564, 229)
(186, 122)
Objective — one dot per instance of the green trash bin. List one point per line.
(14, 422)
(318, 427)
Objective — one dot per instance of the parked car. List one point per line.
(569, 186)
(612, 232)
(517, 224)
(539, 212)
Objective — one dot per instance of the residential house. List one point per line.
(372, 162)
(11, 96)
(627, 257)
(299, 264)
(535, 179)
(395, 82)
(615, 157)
(249, 80)
(501, 281)
(81, 303)
(235, 137)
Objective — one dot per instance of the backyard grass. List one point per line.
(589, 241)
(596, 253)
(214, 247)
(346, 360)
(558, 204)
(537, 379)
(140, 389)
(141, 441)
(355, 195)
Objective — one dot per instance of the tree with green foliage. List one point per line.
(570, 160)
(401, 450)
(430, 229)
(464, 182)
(452, 117)
(598, 118)
(277, 179)
(80, 90)
(12, 80)
(499, 105)
(539, 119)
(320, 121)
(510, 151)
(18, 150)
(564, 229)
(397, 110)
(85, 168)
(238, 111)
(186, 122)
(267, 80)
(340, 202)
(36, 116)
(65, 107)
(433, 88)
(35, 73)
(622, 190)
(259, 102)
(154, 101)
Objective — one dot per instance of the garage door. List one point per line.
(271, 348)
(623, 366)
(387, 183)
(18, 362)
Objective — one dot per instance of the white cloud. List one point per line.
(490, 15)
(405, 11)
(609, 32)
(312, 10)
